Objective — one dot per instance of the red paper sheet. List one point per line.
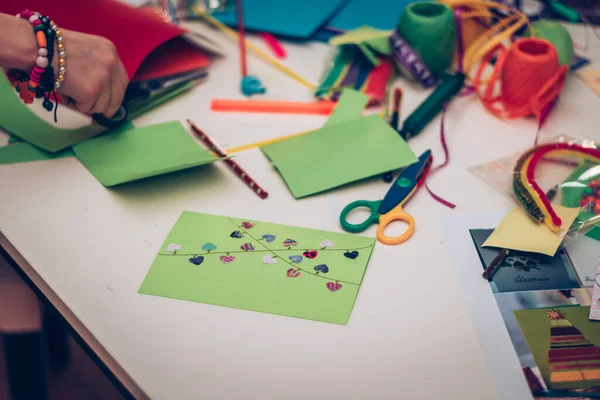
(134, 32)
(172, 57)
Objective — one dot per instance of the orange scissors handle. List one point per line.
(396, 214)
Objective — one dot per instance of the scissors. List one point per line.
(142, 90)
(383, 212)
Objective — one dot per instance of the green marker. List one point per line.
(563, 11)
(426, 112)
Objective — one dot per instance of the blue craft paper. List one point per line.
(298, 19)
(380, 14)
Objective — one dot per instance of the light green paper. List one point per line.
(349, 107)
(18, 119)
(130, 154)
(25, 152)
(535, 326)
(369, 40)
(339, 154)
(250, 284)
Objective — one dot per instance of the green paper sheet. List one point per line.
(25, 152)
(18, 119)
(575, 336)
(339, 154)
(130, 154)
(350, 106)
(246, 264)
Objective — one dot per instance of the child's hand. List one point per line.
(95, 79)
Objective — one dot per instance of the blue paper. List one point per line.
(380, 14)
(298, 19)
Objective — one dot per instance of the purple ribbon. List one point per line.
(442, 165)
(407, 59)
(459, 38)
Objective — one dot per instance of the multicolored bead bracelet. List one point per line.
(40, 81)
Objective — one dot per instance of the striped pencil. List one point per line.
(215, 147)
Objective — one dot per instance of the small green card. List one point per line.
(260, 266)
(130, 154)
(565, 345)
(338, 154)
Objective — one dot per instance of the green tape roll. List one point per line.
(556, 34)
(429, 28)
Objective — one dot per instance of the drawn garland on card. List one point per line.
(292, 261)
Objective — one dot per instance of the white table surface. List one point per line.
(410, 336)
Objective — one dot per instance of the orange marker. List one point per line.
(277, 107)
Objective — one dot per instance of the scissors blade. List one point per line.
(407, 182)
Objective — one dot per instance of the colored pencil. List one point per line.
(242, 36)
(215, 147)
(495, 265)
(270, 106)
(396, 108)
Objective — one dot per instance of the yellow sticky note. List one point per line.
(518, 231)
(591, 77)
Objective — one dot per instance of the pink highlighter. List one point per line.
(274, 45)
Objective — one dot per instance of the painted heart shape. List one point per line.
(334, 286)
(296, 259)
(236, 234)
(247, 225)
(209, 247)
(326, 243)
(312, 254)
(247, 247)
(197, 260)
(290, 242)
(173, 247)
(351, 254)
(321, 268)
(293, 273)
(268, 259)
(227, 259)
(269, 238)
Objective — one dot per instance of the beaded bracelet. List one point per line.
(62, 55)
(41, 62)
(40, 81)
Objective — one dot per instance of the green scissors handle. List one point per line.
(372, 219)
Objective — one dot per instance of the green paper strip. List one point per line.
(19, 120)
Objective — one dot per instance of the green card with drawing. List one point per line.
(565, 345)
(260, 266)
